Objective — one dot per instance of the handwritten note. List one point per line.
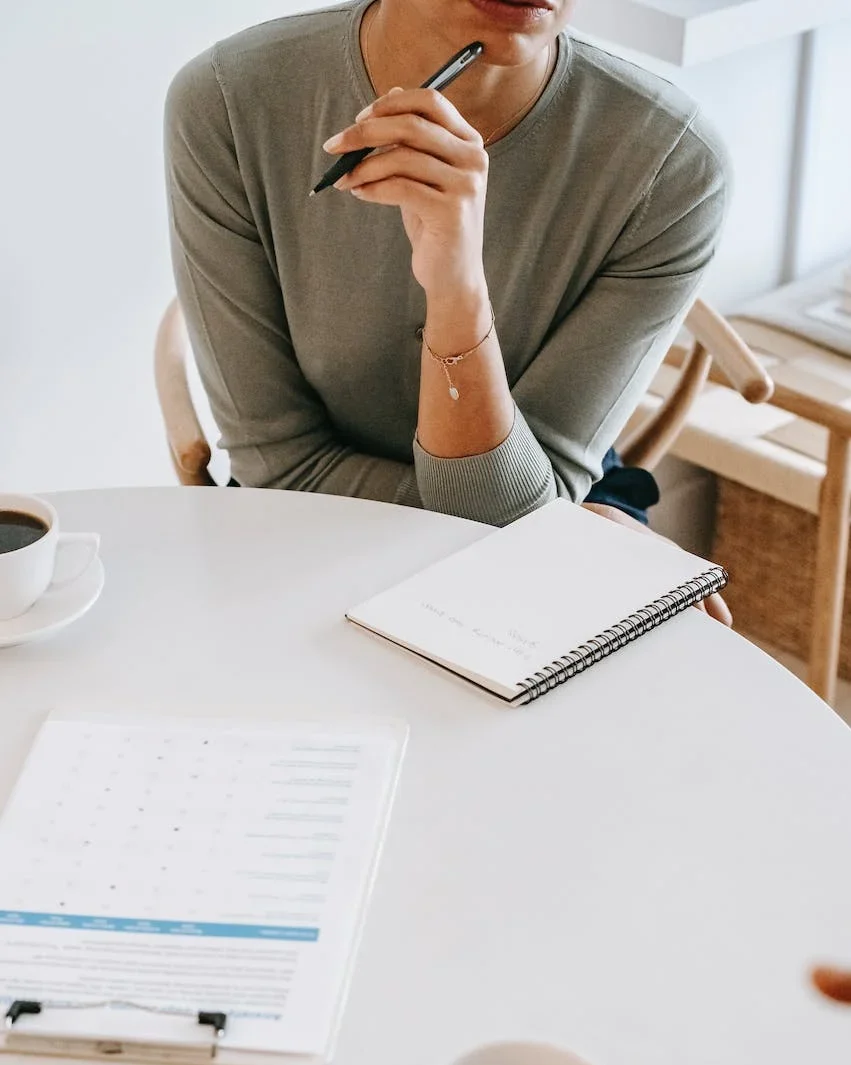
(522, 597)
(511, 641)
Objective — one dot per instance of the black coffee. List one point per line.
(18, 529)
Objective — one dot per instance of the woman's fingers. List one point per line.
(405, 162)
(414, 132)
(420, 118)
(716, 608)
(430, 105)
(713, 605)
(400, 192)
(835, 983)
(431, 164)
(426, 144)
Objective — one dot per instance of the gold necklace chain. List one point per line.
(529, 103)
(487, 140)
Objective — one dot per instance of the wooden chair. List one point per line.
(188, 446)
(713, 339)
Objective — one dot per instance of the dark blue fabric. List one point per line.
(628, 488)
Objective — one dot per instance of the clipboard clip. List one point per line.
(27, 1042)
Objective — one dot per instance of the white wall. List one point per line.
(753, 97)
(84, 268)
(750, 96)
(84, 271)
(825, 221)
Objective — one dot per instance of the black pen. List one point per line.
(445, 76)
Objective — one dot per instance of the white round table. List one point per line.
(641, 866)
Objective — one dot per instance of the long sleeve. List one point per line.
(581, 387)
(274, 426)
(604, 209)
(618, 332)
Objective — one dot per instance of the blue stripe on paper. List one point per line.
(157, 928)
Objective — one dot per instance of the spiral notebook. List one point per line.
(531, 605)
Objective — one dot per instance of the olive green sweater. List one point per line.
(603, 209)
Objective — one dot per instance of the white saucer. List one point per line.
(56, 608)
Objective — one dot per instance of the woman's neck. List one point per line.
(493, 98)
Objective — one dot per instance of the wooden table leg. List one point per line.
(831, 561)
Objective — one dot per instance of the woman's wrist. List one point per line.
(457, 317)
(465, 403)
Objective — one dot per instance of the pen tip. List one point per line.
(311, 193)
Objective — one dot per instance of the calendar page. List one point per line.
(188, 867)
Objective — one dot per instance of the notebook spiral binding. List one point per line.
(612, 639)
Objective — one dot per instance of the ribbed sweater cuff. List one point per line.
(498, 487)
(407, 494)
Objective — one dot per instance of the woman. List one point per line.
(323, 327)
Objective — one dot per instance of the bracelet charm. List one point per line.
(445, 361)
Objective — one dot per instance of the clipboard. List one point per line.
(77, 998)
(203, 1030)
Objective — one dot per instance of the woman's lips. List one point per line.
(513, 12)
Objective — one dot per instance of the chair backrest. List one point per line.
(714, 338)
(188, 446)
(735, 365)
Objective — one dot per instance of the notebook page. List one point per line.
(513, 602)
(194, 867)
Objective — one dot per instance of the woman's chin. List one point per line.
(512, 34)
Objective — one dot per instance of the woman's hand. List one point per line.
(434, 167)
(834, 983)
(713, 605)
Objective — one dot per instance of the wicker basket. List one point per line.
(769, 548)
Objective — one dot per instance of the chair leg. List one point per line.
(831, 562)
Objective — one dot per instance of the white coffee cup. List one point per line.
(53, 560)
(519, 1054)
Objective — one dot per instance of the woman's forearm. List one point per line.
(474, 455)
(482, 416)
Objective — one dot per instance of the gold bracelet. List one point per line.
(446, 361)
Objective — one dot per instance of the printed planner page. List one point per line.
(187, 867)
